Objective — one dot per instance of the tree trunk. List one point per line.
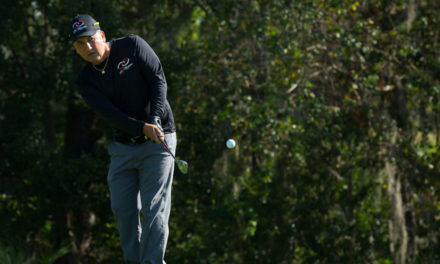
(79, 139)
(397, 227)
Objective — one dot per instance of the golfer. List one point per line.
(123, 82)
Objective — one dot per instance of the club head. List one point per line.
(183, 166)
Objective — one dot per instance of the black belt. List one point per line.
(133, 140)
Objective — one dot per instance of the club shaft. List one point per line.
(167, 149)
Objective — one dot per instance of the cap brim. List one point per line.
(87, 33)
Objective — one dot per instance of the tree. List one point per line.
(334, 106)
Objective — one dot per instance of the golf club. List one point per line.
(181, 164)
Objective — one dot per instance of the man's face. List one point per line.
(93, 48)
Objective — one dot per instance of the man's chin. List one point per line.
(94, 60)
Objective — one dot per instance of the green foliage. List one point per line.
(324, 98)
(9, 255)
(16, 254)
(50, 257)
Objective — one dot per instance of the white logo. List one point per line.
(78, 26)
(124, 65)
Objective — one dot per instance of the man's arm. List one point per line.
(105, 108)
(152, 71)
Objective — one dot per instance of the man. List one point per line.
(124, 83)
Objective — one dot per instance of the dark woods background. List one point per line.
(334, 105)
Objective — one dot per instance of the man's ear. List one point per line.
(102, 35)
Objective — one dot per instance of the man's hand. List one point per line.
(153, 132)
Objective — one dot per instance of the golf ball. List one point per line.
(230, 143)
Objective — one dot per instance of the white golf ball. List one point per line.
(230, 143)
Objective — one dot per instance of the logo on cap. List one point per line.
(78, 26)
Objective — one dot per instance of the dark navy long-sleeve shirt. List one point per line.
(131, 92)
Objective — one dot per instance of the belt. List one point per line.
(134, 140)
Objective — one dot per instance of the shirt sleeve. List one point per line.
(107, 110)
(152, 71)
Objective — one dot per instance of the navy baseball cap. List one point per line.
(83, 26)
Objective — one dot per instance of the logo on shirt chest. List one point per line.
(124, 65)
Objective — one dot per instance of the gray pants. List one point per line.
(140, 178)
